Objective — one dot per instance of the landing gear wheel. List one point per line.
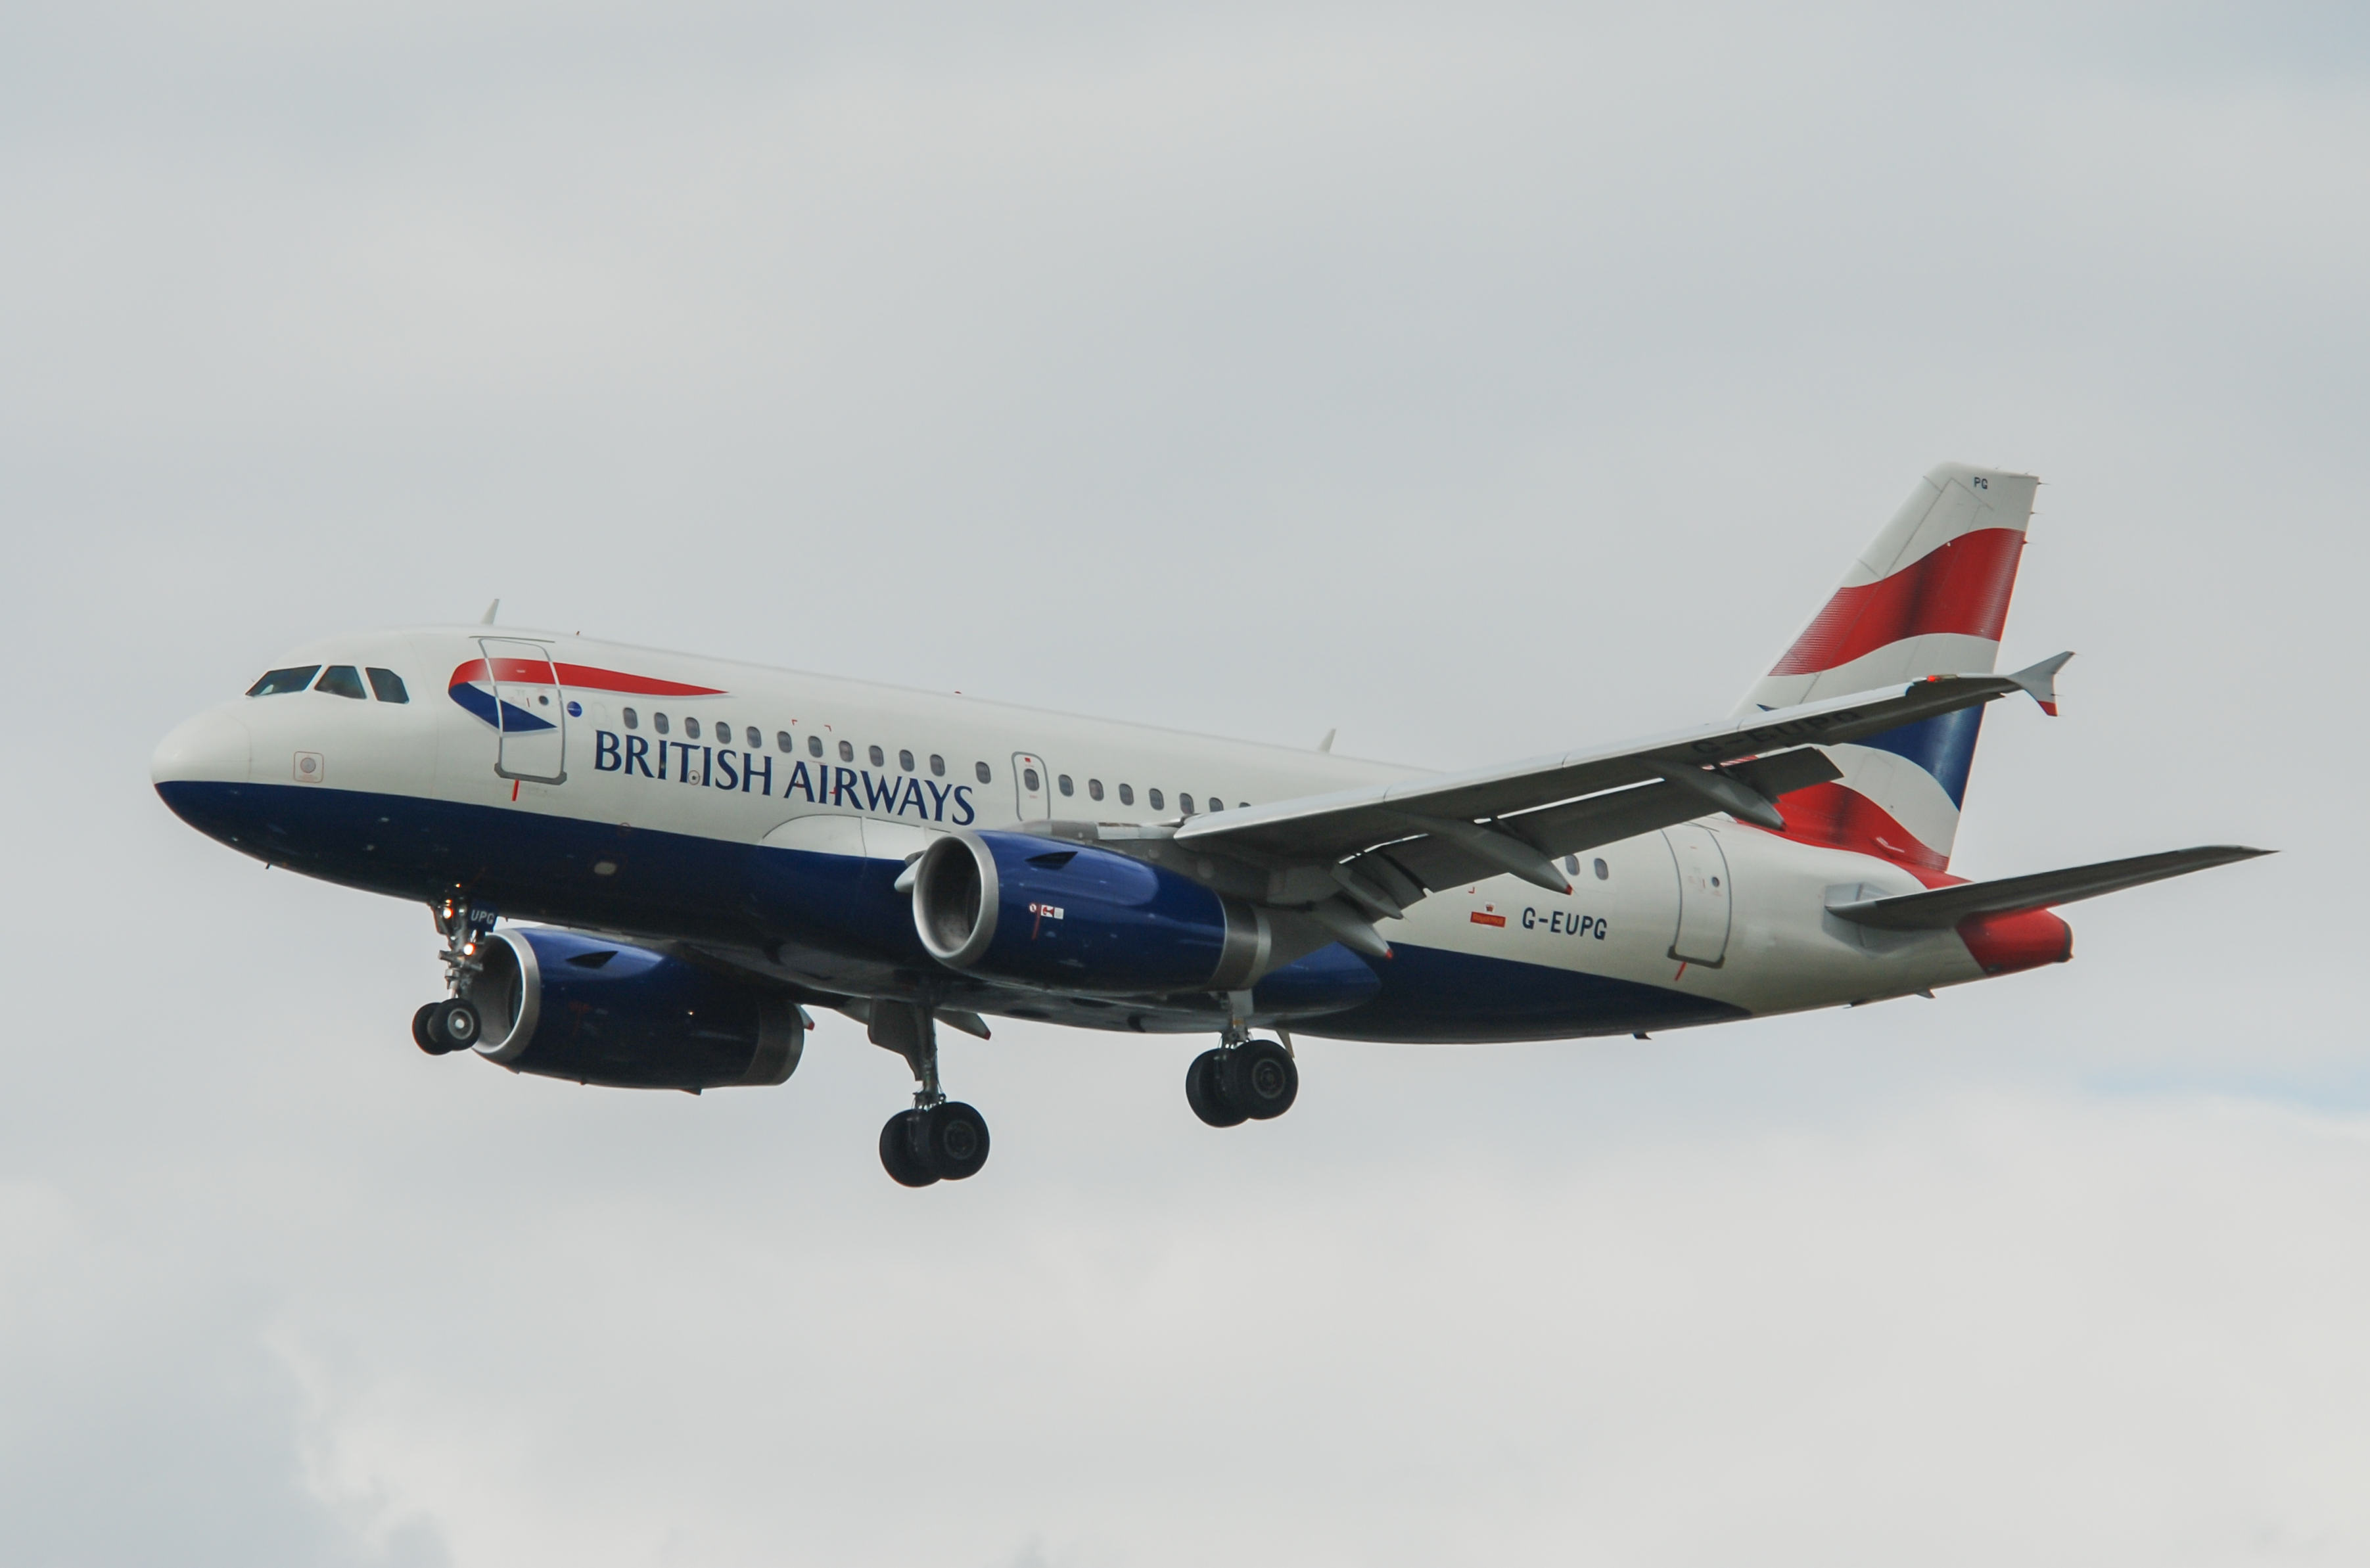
(1206, 1096)
(421, 1023)
(900, 1150)
(1260, 1078)
(453, 1026)
(953, 1140)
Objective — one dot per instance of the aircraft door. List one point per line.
(1032, 787)
(526, 697)
(1704, 892)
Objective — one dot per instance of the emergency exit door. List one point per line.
(1033, 791)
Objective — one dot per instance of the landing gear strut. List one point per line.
(1243, 1080)
(939, 1139)
(441, 1027)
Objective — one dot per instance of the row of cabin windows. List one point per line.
(338, 680)
(754, 739)
(723, 733)
(1152, 798)
(344, 680)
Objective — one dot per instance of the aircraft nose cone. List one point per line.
(213, 748)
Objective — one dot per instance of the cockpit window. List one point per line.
(277, 681)
(387, 685)
(342, 680)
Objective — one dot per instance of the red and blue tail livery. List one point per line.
(1929, 597)
(658, 871)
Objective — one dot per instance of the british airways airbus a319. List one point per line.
(709, 851)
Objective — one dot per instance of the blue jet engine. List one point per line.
(1015, 907)
(565, 1005)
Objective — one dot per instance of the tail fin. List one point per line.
(1929, 597)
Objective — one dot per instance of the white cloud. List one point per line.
(1978, 1328)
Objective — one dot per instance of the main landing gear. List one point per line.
(1243, 1080)
(453, 1024)
(939, 1139)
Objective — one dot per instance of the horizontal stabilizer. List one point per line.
(1941, 909)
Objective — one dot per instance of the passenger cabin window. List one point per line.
(691, 728)
(905, 760)
(814, 745)
(937, 765)
(278, 681)
(1216, 805)
(658, 722)
(342, 680)
(1185, 804)
(782, 739)
(984, 775)
(633, 720)
(847, 750)
(1029, 780)
(1127, 794)
(1603, 871)
(1154, 796)
(387, 685)
(1063, 784)
(1571, 865)
(878, 760)
(1094, 788)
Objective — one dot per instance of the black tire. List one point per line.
(423, 1024)
(1259, 1079)
(455, 1026)
(1206, 1096)
(954, 1140)
(899, 1151)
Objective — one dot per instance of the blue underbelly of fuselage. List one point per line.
(837, 921)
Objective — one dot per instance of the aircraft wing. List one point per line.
(1383, 846)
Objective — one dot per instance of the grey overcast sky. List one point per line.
(1476, 379)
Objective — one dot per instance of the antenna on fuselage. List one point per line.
(488, 619)
(1327, 743)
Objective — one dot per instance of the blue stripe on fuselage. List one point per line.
(508, 716)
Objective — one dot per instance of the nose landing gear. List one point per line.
(939, 1139)
(441, 1028)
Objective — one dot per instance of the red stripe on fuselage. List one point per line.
(583, 677)
(1961, 586)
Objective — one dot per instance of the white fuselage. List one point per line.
(1716, 911)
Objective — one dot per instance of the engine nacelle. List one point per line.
(1016, 907)
(565, 1005)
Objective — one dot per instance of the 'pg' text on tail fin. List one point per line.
(1929, 597)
